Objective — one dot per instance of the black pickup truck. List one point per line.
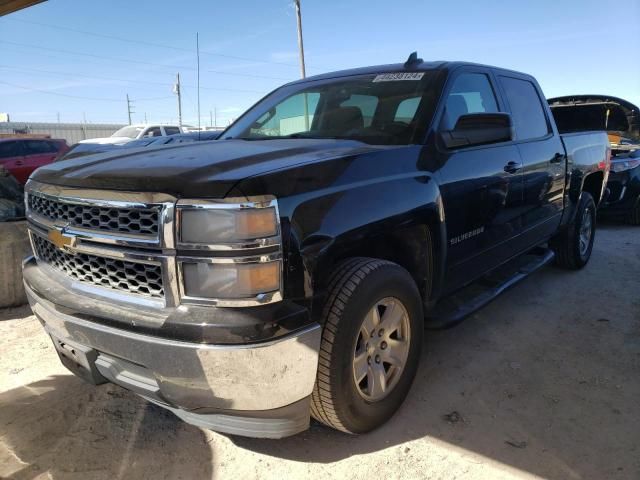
(289, 269)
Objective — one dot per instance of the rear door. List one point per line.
(543, 159)
(481, 185)
(12, 158)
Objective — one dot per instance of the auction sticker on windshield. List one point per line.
(394, 77)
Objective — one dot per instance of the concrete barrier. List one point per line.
(14, 246)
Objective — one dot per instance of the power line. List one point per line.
(163, 65)
(152, 44)
(140, 62)
(48, 92)
(144, 82)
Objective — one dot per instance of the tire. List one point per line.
(355, 288)
(571, 247)
(634, 215)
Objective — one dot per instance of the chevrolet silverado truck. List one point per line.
(288, 270)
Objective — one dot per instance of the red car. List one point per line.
(21, 156)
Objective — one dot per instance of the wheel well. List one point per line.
(411, 247)
(593, 185)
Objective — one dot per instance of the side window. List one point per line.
(526, 108)
(294, 115)
(34, 147)
(171, 130)
(407, 110)
(470, 93)
(153, 132)
(365, 103)
(10, 149)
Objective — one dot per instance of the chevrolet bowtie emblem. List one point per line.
(62, 240)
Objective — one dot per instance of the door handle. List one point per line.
(557, 158)
(19, 163)
(512, 167)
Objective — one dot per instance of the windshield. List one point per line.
(131, 132)
(385, 109)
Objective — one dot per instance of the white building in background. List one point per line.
(71, 132)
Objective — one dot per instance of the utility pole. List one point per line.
(215, 116)
(302, 68)
(198, 60)
(58, 116)
(177, 91)
(129, 111)
(210, 118)
(300, 42)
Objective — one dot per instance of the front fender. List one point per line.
(374, 218)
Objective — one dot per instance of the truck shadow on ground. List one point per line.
(68, 428)
(533, 381)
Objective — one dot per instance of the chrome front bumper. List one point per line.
(259, 389)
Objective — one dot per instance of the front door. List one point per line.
(481, 186)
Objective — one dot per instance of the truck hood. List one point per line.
(203, 169)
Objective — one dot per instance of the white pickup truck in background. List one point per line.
(134, 132)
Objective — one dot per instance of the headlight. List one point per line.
(222, 224)
(248, 230)
(230, 280)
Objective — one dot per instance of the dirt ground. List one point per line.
(543, 382)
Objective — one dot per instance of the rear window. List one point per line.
(367, 105)
(526, 108)
(407, 110)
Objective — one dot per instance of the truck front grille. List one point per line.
(124, 276)
(106, 219)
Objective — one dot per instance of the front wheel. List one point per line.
(370, 347)
(573, 245)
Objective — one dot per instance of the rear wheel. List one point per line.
(573, 245)
(370, 347)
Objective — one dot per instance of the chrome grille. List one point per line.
(106, 219)
(130, 277)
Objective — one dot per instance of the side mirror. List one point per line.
(479, 129)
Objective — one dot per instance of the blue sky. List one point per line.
(55, 52)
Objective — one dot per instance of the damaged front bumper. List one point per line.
(255, 389)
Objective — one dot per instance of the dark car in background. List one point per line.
(621, 120)
(21, 156)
